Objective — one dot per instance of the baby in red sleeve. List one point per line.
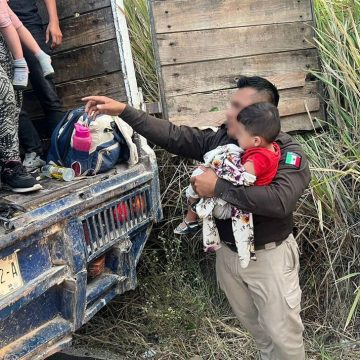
(254, 162)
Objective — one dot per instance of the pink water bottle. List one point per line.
(82, 138)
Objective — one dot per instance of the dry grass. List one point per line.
(177, 311)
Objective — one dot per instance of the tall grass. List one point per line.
(138, 19)
(177, 311)
(331, 212)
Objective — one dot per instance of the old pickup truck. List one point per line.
(69, 249)
(51, 248)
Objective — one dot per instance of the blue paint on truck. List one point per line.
(61, 233)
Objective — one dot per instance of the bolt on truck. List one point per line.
(69, 249)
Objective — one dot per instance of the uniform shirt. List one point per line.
(27, 11)
(272, 205)
(265, 162)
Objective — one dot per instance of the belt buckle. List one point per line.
(270, 246)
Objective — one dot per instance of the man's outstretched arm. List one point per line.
(180, 140)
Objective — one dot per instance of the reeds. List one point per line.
(331, 211)
(177, 310)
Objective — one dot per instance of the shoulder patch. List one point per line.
(293, 159)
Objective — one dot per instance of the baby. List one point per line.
(16, 34)
(255, 162)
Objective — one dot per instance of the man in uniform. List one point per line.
(43, 88)
(266, 295)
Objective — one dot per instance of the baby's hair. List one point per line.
(261, 119)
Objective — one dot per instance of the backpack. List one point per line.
(108, 146)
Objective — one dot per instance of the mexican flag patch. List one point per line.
(293, 159)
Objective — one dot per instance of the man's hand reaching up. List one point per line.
(96, 105)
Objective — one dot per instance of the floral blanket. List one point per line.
(226, 162)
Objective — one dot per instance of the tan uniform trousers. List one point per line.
(266, 298)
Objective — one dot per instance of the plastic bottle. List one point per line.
(58, 173)
(82, 138)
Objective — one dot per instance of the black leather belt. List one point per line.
(267, 246)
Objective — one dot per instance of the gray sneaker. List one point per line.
(33, 161)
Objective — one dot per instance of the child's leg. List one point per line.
(28, 40)
(8, 27)
(190, 223)
(43, 58)
(23, 33)
(13, 41)
(191, 215)
(21, 72)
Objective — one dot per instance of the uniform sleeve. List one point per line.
(276, 200)
(184, 141)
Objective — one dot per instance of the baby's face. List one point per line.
(244, 138)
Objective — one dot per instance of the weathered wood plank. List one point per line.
(71, 93)
(188, 15)
(301, 122)
(209, 109)
(87, 29)
(178, 48)
(69, 8)
(86, 62)
(111, 85)
(286, 70)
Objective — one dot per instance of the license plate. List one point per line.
(10, 275)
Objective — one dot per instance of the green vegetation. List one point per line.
(177, 310)
(141, 43)
(332, 206)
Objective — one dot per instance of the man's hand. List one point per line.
(204, 184)
(96, 105)
(53, 31)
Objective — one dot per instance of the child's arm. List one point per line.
(249, 168)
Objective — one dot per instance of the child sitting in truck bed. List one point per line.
(254, 163)
(14, 34)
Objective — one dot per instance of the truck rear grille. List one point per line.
(104, 227)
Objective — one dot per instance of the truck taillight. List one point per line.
(138, 205)
(121, 213)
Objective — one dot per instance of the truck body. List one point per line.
(69, 249)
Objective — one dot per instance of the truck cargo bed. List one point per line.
(61, 200)
(55, 189)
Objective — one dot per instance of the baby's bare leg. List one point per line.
(191, 215)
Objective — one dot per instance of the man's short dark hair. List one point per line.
(262, 86)
(261, 119)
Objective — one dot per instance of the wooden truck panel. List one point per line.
(204, 46)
